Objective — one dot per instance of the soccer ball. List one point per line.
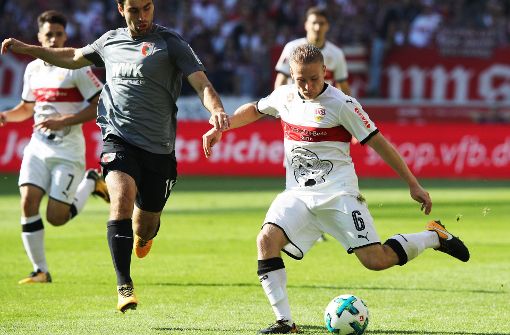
(346, 315)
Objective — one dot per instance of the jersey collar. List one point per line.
(135, 38)
(323, 89)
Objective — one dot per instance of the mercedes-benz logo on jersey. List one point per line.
(46, 112)
(147, 48)
(309, 170)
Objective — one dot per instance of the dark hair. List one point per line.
(306, 54)
(51, 16)
(317, 10)
(121, 2)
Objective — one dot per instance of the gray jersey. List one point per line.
(143, 82)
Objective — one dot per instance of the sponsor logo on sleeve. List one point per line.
(362, 117)
(195, 55)
(93, 78)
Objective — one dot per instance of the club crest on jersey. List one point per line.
(108, 157)
(319, 114)
(147, 48)
(290, 97)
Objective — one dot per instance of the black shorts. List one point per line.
(154, 174)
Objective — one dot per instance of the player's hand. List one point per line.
(419, 194)
(220, 120)
(51, 124)
(3, 119)
(209, 139)
(13, 45)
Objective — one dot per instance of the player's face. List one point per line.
(316, 27)
(309, 78)
(52, 35)
(138, 15)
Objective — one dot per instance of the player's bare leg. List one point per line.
(397, 250)
(145, 227)
(272, 276)
(33, 234)
(122, 190)
(57, 212)
(270, 241)
(401, 248)
(377, 257)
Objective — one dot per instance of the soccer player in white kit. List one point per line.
(60, 100)
(322, 193)
(316, 27)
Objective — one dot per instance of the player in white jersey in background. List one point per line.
(60, 100)
(316, 27)
(322, 193)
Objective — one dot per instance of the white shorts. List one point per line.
(304, 218)
(59, 178)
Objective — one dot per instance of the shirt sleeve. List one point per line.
(27, 94)
(341, 67)
(95, 52)
(183, 55)
(283, 65)
(356, 121)
(87, 82)
(270, 104)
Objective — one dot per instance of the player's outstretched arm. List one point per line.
(392, 157)
(210, 99)
(244, 115)
(21, 112)
(69, 58)
(86, 114)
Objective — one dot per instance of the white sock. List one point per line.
(274, 284)
(83, 192)
(34, 244)
(414, 244)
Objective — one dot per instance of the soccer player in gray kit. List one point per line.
(144, 63)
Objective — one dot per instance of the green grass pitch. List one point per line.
(200, 277)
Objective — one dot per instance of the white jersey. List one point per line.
(317, 136)
(57, 91)
(334, 59)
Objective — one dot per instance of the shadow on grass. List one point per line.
(202, 330)
(309, 329)
(277, 184)
(8, 184)
(369, 288)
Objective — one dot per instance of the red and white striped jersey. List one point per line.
(57, 91)
(317, 137)
(334, 59)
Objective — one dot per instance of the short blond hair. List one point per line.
(306, 54)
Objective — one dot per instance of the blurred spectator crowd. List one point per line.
(238, 40)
